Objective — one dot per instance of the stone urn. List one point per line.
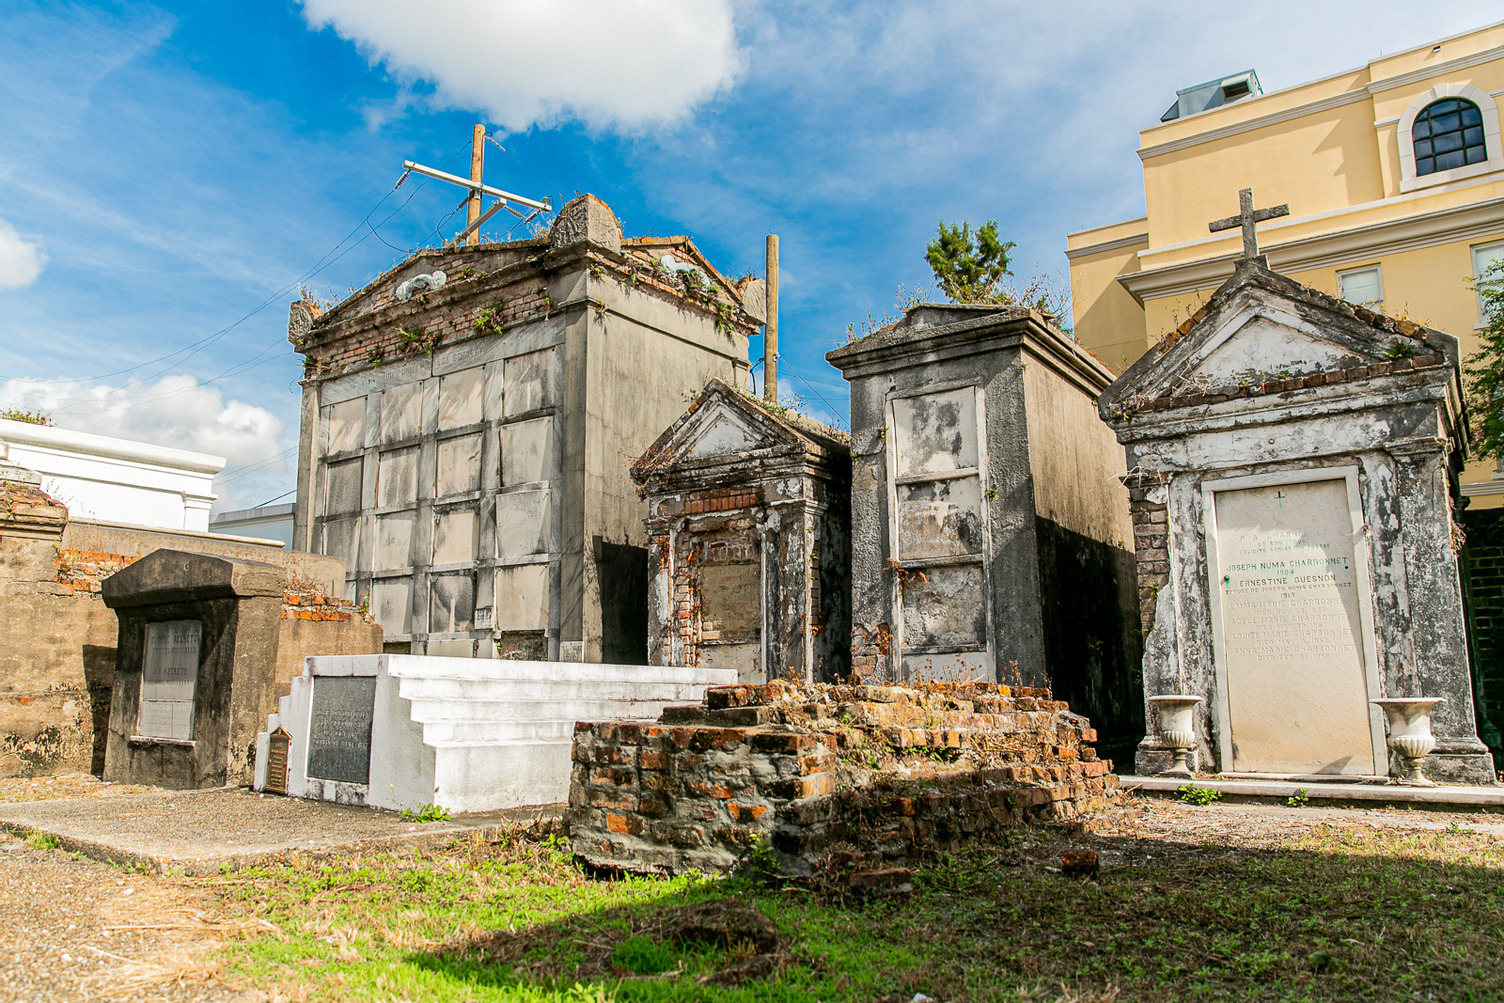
(1175, 714)
(1409, 720)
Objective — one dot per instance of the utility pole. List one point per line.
(477, 176)
(770, 330)
(477, 188)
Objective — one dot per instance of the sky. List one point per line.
(171, 173)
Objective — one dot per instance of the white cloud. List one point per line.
(174, 411)
(21, 259)
(608, 63)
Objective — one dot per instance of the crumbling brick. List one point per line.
(821, 767)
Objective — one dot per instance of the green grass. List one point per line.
(39, 840)
(1348, 913)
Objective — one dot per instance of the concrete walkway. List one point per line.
(1445, 798)
(199, 832)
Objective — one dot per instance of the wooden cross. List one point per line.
(1247, 216)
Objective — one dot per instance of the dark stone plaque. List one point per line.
(339, 730)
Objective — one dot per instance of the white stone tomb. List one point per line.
(403, 731)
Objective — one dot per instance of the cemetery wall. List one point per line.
(57, 638)
(818, 773)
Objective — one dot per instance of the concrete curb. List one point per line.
(69, 821)
(1441, 798)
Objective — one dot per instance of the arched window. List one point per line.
(1448, 134)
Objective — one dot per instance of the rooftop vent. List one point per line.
(1213, 94)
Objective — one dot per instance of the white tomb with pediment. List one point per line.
(1292, 463)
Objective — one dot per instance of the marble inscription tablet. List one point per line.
(169, 678)
(1292, 645)
(339, 729)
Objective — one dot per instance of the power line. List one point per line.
(270, 500)
(835, 414)
(252, 468)
(318, 266)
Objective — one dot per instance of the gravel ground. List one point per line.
(1267, 826)
(67, 785)
(77, 929)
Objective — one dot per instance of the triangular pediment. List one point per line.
(1263, 340)
(721, 431)
(1261, 327)
(726, 422)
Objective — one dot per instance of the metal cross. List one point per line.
(1280, 495)
(1246, 217)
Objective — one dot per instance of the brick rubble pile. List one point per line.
(881, 772)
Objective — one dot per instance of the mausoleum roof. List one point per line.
(726, 424)
(926, 326)
(1262, 333)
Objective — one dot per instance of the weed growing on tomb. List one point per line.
(1299, 799)
(969, 267)
(489, 320)
(1191, 794)
(426, 813)
(903, 301)
(29, 417)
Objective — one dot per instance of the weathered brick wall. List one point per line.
(57, 638)
(1482, 564)
(881, 772)
(871, 648)
(487, 291)
(1151, 542)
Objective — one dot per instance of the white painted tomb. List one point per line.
(403, 731)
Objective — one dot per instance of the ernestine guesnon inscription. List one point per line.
(1291, 629)
(339, 728)
(169, 678)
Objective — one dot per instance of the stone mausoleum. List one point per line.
(990, 531)
(1293, 464)
(749, 540)
(468, 419)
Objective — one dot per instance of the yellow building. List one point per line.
(1394, 174)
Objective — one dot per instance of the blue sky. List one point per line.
(170, 172)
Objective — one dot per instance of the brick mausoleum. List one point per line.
(878, 771)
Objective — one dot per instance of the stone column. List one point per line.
(1434, 616)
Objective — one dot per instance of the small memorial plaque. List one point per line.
(169, 677)
(339, 730)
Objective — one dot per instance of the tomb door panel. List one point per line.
(1288, 591)
(938, 534)
(728, 591)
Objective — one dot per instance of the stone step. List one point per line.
(509, 728)
(538, 712)
(440, 734)
(449, 746)
(560, 691)
(429, 667)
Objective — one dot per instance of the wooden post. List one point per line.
(770, 331)
(477, 174)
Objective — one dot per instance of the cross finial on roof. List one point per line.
(1247, 216)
